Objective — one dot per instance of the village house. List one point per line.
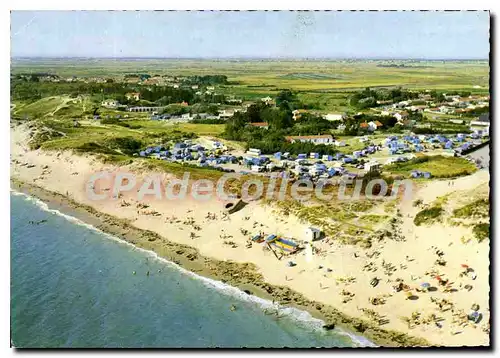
(401, 104)
(418, 108)
(263, 125)
(364, 126)
(296, 114)
(144, 109)
(233, 101)
(385, 102)
(446, 109)
(110, 103)
(226, 113)
(315, 139)
(133, 95)
(374, 125)
(482, 125)
(334, 117)
(401, 116)
(267, 100)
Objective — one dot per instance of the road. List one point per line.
(482, 154)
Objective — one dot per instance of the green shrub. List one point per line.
(479, 208)
(428, 215)
(481, 231)
(127, 145)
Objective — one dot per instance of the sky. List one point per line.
(257, 34)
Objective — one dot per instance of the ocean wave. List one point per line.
(302, 318)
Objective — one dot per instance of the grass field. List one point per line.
(437, 165)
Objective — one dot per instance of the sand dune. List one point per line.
(343, 281)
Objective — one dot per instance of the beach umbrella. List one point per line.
(464, 266)
(439, 278)
(425, 285)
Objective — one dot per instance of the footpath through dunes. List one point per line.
(361, 283)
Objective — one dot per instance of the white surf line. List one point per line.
(304, 318)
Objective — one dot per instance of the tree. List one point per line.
(277, 119)
(351, 127)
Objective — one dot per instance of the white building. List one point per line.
(110, 103)
(482, 125)
(312, 233)
(372, 166)
(266, 99)
(334, 117)
(316, 139)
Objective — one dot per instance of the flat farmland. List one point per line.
(328, 83)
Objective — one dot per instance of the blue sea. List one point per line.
(74, 286)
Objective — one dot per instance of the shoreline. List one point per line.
(243, 276)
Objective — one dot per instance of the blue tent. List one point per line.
(448, 145)
(277, 155)
(415, 174)
(179, 145)
(332, 171)
(427, 175)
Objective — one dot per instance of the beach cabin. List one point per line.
(314, 155)
(302, 156)
(312, 233)
(254, 151)
(327, 158)
(372, 167)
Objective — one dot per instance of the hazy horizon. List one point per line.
(250, 58)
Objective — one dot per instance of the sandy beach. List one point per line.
(201, 237)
